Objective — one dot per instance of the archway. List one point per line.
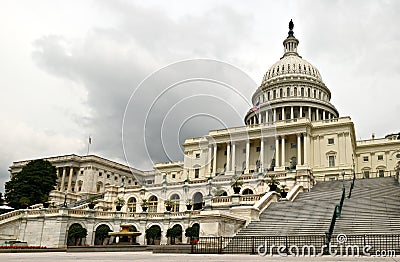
(76, 235)
(193, 233)
(174, 234)
(247, 191)
(153, 235)
(197, 201)
(101, 235)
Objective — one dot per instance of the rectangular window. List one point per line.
(116, 178)
(129, 181)
(197, 155)
(365, 159)
(196, 173)
(82, 172)
(380, 157)
(331, 161)
(173, 175)
(100, 174)
(381, 173)
(366, 174)
(108, 176)
(331, 141)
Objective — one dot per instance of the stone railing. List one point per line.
(222, 199)
(12, 214)
(249, 198)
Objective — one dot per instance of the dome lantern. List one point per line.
(291, 42)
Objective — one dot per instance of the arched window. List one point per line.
(175, 202)
(309, 92)
(295, 91)
(281, 92)
(197, 201)
(223, 193)
(288, 91)
(132, 204)
(99, 187)
(302, 91)
(268, 95)
(153, 201)
(247, 191)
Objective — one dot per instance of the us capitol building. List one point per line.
(293, 133)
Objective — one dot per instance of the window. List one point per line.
(244, 150)
(108, 176)
(153, 201)
(196, 173)
(132, 205)
(365, 159)
(268, 95)
(274, 94)
(247, 191)
(366, 174)
(331, 141)
(380, 157)
(197, 155)
(288, 91)
(173, 175)
(315, 93)
(295, 91)
(281, 92)
(100, 174)
(175, 203)
(302, 91)
(116, 178)
(129, 181)
(331, 161)
(258, 149)
(123, 180)
(381, 173)
(82, 172)
(309, 92)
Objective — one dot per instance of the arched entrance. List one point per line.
(76, 235)
(197, 201)
(193, 233)
(153, 235)
(247, 191)
(101, 235)
(174, 234)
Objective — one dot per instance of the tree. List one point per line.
(31, 185)
(174, 232)
(153, 233)
(102, 233)
(75, 234)
(193, 231)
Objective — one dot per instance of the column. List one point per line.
(262, 155)
(71, 172)
(247, 155)
(299, 149)
(283, 113)
(215, 160)
(309, 113)
(228, 157)
(283, 151)
(62, 188)
(306, 141)
(209, 159)
(301, 112)
(233, 156)
(277, 162)
(317, 114)
(291, 112)
(274, 120)
(259, 118)
(323, 114)
(266, 116)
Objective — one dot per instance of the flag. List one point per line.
(255, 107)
(90, 140)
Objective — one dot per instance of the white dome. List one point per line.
(292, 65)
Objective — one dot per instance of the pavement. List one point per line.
(148, 256)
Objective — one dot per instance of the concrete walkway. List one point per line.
(147, 256)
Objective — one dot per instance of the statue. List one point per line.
(291, 25)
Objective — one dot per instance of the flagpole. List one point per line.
(88, 146)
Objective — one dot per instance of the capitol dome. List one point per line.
(291, 88)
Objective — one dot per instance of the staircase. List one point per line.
(374, 208)
(309, 214)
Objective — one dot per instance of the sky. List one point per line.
(139, 77)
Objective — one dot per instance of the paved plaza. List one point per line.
(148, 256)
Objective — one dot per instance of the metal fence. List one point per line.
(298, 245)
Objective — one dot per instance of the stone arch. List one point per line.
(178, 238)
(76, 234)
(197, 200)
(153, 234)
(247, 191)
(101, 233)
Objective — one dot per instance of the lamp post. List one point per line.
(343, 173)
(65, 199)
